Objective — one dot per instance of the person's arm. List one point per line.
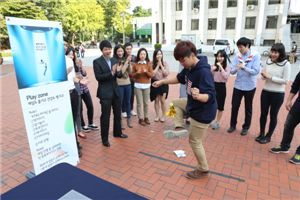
(199, 96)
(234, 67)
(289, 101)
(165, 69)
(294, 89)
(169, 80)
(99, 75)
(225, 72)
(286, 75)
(255, 67)
(149, 71)
(204, 91)
(118, 70)
(133, 72)
(126, 65)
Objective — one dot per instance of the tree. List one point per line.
(82, 19)
(138, 11)
(53, 9)
(109, 7)
(122, 20)
(21, 9)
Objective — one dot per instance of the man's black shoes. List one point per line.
(121, 136)
(106, 144)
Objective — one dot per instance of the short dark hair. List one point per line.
(244, 42)
(279, 47)
(127, 44)
(184, 49)
(104, 43)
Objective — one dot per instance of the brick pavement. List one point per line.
(145, 163)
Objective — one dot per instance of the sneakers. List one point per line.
(196, 174)
(133, 113)
(295, 159)
(93, 127)
(124, 114)
(244, 132)
(231, 129)
(85, 129)
(215, 125)
(259, 137)
(278, 149)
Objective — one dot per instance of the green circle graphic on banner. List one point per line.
(69, 127)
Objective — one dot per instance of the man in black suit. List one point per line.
(108, 92)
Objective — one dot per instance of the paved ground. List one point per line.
(145, 163)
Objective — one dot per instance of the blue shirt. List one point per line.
(246, 78)
(108, 62)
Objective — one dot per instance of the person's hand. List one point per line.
(241, 65)
(288, 105)
(84, 81)
(265, 74)
(220, 66)
(195, 93)
(113, 69)
(157, 83)
(159, 61)
(128, 59)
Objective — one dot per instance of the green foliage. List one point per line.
(122, 19)
(22, 9)
(82, 18)
(109, 7)
(53, 9)
(138, 11)
(157, 46)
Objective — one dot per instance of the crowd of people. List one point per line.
(123, 76)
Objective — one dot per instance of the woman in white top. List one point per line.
(276, 75)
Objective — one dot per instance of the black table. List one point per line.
(63, 178)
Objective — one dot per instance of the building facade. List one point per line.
(263, 21)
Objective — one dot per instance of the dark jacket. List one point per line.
(107, 84)
(200, 77)
(296, 89)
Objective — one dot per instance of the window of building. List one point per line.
(252, 2)
(213, 4)
(250, 23)
(195, 4)
(274, 2)
(231, 3)
(271, 22)
(178, 5)
(294, 20)
(268, 42)
(178, 25)
(230, 23)
(195, 24)
(210, 41)
(212, 24)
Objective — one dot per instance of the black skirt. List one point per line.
(164, 89)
